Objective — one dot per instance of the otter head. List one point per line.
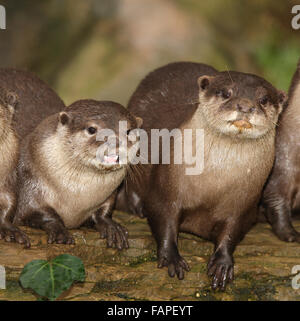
(8, 104)
(92, 135)
(239, 105)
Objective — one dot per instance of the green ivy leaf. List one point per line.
(51, 279)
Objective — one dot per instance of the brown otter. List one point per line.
(238, 113)
(35, 101)
(281, 196)
(63, 182)
(9, 146)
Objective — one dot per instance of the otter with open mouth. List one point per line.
(238, 113)
(62, 181)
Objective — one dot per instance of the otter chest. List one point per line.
(76, 200)
(232, 174)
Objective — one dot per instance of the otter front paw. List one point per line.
(288, 235)
(10, 233)
(221, 271)
(175, 263)
(60, 236)
(115, 234)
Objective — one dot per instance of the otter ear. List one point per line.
(64, 118)
(204, 82)
(12, 99)
(282, 98)
(9, 99)
(139, 122)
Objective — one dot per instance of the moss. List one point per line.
(149, 257)
(12, 285)
(118, 288)
(261, 292)
(129, 298)
(15, 292)
(260, 287)
(199, 268)
(114, 286)
(205, 294)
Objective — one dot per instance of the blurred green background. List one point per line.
(102, 48)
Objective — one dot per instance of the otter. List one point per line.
(238, 113)
(64, 183)
(9, 146)
(281, 198)
(36, 100)
(25, 101)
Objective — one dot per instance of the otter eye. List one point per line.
(92, 130)
(225, 94)
(263, 101)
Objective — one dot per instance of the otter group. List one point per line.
(51, 178)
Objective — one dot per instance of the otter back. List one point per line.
(36, 100)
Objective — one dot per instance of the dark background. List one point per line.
(102, 48)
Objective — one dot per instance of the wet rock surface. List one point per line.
(263, 267)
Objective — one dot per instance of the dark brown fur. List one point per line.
(62, 184)
(281, 198)
(219, 204)
(36, 100)
(30, 100)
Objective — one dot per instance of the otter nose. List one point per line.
(245, 107)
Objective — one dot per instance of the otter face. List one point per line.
(92, 132)
(240, 105)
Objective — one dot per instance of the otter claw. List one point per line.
(176, 266)
(13, 234)
(288, 236)
(115, 234)
(221, 273)
(60, 237)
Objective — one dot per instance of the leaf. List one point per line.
(51, 279)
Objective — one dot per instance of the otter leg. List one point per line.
(278, 214)
(11, 233)
(48, 220)
(226, 235)
(8, 231)
(128, 201)
(165, 231)
(220, 265)
(115, 234)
